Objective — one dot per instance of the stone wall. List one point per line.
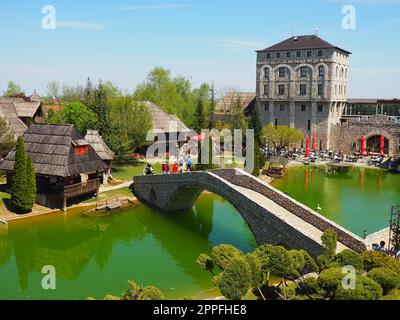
(345, 136)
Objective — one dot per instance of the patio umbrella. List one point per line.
(308, 151)
(314, 141)
(199, 137)
(382, 146)
(363, 146)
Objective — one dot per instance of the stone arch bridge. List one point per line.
(272, 216)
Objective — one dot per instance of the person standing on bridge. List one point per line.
(165, 168)
(189, 164)
(148, 170)
(175, 168)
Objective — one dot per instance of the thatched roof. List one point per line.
(227, 104)
(9, 114)
(162, 120)
(52, 151)
(96, 141)
(25, 107)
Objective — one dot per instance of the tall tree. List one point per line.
(89, 94)
(211, 109)
(238, 120)
(13, 90)
(23, 184)
(200, 118)
(255, 124)
(53, 90)
(7, 140)
(101, 107)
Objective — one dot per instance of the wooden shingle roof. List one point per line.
(24, 107)
(162, 120)
(53, 154)
(9, 114)
(227, 104)
(96, 141)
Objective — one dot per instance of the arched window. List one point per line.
(304, 72)
(342, 73)
(337, 72)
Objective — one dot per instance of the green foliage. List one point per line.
(224, 253)
(375, 259)
(237, 119)
(199, 115)
(276, 260)
(289, 291)
(136, 292)
(255, 124)
(173, 95)
(392, 295)
(256, 167)
(349, 258)
(396, 234)
(129, 123)
(281, 136)
(299, 261)
(7, 141)
(257, 276)
(330, 279)
(111, 298)
(310, 262)
(21, 196)
(329, 243)
(387, 278)
(234, 282)
(366, 289)
(211, 110)
(205, 262)
(13, 90)
(76, 113)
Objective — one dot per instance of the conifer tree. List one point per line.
(19, 190)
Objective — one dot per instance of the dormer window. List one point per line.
(81, 147)
(81, 151)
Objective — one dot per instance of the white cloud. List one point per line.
(79, 25)
(155, 7)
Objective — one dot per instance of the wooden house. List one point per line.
(66, 165)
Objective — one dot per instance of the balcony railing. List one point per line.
(77, 190)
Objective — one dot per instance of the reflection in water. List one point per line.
(96, 256)
(358, 200)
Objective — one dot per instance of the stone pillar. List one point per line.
(292, 110)
(271, 111)
(313, 116)
(65, 203)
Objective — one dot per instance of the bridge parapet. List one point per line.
(180, 192)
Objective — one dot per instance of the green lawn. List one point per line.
(127, 172)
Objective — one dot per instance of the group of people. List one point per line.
(184, 164)
(382, 248)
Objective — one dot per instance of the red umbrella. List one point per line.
(199, 137)
(382, 145)
(363, 146)
(314, 141)
(308, 151)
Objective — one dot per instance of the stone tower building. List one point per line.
(302, 83)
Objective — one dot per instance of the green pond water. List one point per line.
(358, 200)
(94, 257)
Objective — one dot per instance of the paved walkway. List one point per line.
(116, 187)
(377, 237)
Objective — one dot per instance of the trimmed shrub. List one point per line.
(366, 289)
(349, 258)
(205, 262)
(234, 282)
(224, 253)
(375, 259)
(257, 276)
(387, 279)
(330, 279)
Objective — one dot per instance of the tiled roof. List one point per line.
(303, 43)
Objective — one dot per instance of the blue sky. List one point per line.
(208, 41)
